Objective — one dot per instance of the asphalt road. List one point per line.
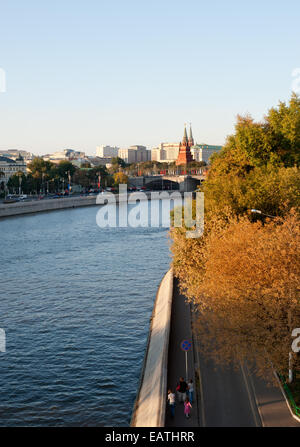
(227, 397)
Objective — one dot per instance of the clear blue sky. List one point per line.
(85, 73)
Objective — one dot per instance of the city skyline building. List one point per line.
(165, 152)
(65, 154)
(135, 154)
(14, 154)
(203, 152)
(107, 151)
(10, 167)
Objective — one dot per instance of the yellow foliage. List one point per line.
(244, 279)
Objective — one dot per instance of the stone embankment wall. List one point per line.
(150, 405)
(35, 206)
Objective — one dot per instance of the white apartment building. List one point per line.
(158, 154)
(9, 167)
(165, 152)
(107, 151)
(142, 154)
(203, 152)
(128, 155)
(135, 154)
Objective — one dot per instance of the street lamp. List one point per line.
(43, 187)
(19, 174)
(254, 211)
(99, 179)
(69, 180)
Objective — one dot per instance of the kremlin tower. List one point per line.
(185, 155)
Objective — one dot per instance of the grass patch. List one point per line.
(295, 390)
(292, 392)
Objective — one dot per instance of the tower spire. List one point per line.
(191, 139)
(185, 138)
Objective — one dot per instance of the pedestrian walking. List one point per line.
(187, 407)
(191, 390)
(171, 400)
(182, 389)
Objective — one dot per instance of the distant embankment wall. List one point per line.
(150, 405)
(35, 206)
(13, 209)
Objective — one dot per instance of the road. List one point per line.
(227, 397)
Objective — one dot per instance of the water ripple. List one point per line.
(75, 304)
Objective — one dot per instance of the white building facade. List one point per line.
(165, 152)
(203, 152)
(107, 151)
(9, 167)
(135, 154)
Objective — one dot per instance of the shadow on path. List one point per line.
(180, 330)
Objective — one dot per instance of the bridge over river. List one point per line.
(181, 182)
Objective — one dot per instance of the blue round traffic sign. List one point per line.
(185, 345)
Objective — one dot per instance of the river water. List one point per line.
(75, 305)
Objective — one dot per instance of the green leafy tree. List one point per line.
(85, 164)
(118, 161)
(65, 167)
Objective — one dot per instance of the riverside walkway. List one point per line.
(226, 397)
(181, 329)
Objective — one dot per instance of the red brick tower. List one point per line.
(184, 155)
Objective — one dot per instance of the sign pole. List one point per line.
(186, 345)
(186, 365)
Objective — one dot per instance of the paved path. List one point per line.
(227, 397)
(180, 330)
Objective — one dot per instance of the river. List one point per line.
(75, 305)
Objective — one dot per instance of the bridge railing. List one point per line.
(165, 172)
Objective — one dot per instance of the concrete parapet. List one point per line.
(13, 209)
(150, 405)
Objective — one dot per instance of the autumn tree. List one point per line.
(120, 178)
(244, 279)
(244, 275)
(267, 188)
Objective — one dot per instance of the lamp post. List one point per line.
(20, 181)
(69, 184)
(254, 211)
(99, 180)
